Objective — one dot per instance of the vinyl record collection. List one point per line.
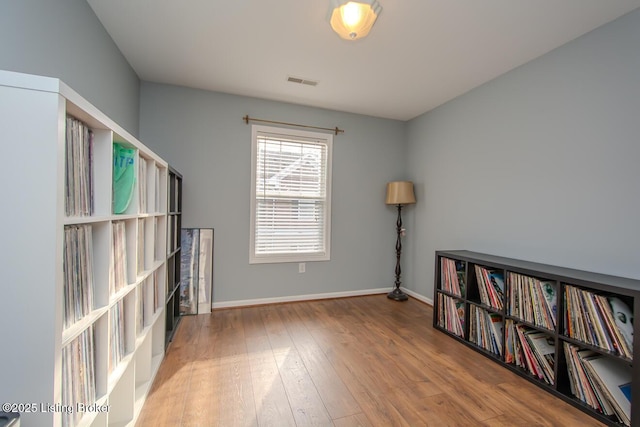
(531, 350)
(157, 187)
(117, 349)
(141, 246)
(86, 232)
(119, 258)
(604, 383)
(157, 291)
(78, 375)
(451, 316)
(569, 331)
(78, 169)
(490, 286)
(142, 186)
(140, 296)
(602, 321)
(485, 329)
(453, 280)
(78, 273)
(533, 300)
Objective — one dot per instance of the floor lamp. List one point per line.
(399, 193)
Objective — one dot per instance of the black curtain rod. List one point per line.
(247, 119)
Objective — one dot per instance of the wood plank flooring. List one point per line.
(362, 361)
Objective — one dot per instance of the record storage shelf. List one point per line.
(174, 253)
(628, 289)
(34, 111)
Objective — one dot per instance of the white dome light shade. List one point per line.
(352, 20)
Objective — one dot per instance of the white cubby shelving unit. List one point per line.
(42, 351)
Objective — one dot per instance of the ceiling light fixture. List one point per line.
(352, 20)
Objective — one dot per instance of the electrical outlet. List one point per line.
(301, 267)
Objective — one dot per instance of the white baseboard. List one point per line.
(276, 300)
(418, 296)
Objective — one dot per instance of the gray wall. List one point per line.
(64, 39)
(203, 136)
(539, 164)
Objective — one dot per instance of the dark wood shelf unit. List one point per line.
(625, 288)
(174, 224)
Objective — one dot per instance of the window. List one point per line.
(290, 195)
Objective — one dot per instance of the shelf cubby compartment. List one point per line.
(600, 319)
(160, 193)
(149, 243)
(86, 289)
(102, 170)
(141, 243)
(79, 375)
(144, 371)
(145, 304)
(117, 335)
(452, 315)
(160, 237)
(125, 188)
(158, 341)
(487, 286)
(486, 329)
(598, 380)
(122, 398)
(530, 349)
(146, 184)
(453, 277)
(533, 299)
(101, 256)
(159, 283)
(79, 196)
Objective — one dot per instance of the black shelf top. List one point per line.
(553, 272)
(175, 172)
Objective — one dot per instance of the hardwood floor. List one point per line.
(362, 361)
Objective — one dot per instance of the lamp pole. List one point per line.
(397, 294)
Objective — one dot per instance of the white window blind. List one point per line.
(290, 195)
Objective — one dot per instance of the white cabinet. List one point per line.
(77, 350)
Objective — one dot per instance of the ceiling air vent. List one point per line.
(301, 81)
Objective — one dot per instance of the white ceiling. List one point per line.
(419, 54)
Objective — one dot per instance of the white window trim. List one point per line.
(282, 258)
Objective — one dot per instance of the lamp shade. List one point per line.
(400, 193)
(352, 20)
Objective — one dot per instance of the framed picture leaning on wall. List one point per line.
(196, 270)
